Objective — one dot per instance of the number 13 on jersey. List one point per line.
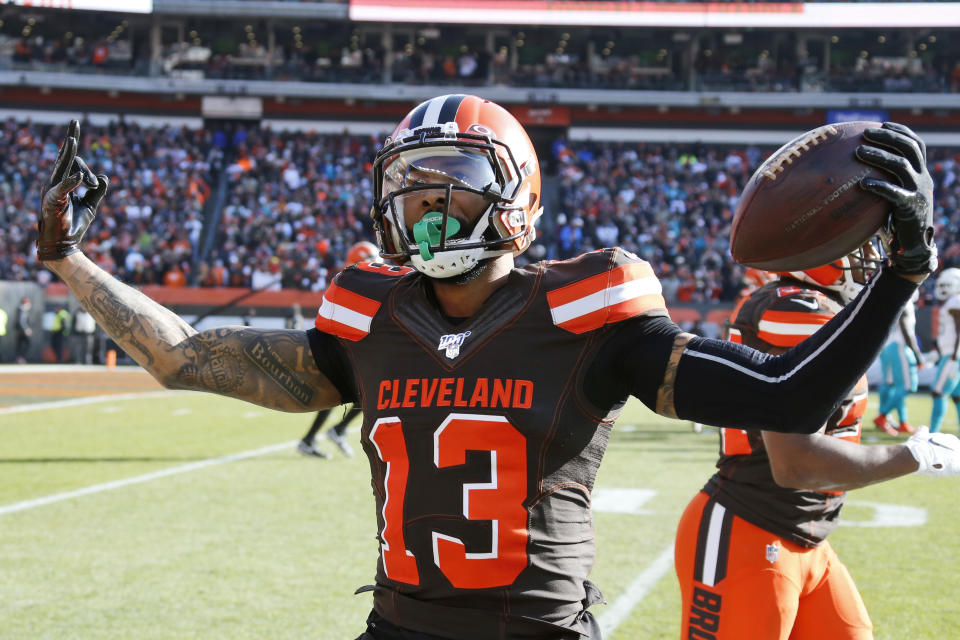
(499, 501)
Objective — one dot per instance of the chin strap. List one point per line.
(429, 231)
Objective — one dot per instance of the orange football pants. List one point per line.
(740, 582)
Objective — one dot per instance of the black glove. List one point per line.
(64, 217)
(912, 249)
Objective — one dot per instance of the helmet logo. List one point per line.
(480, 129)
(452, 343)
(426, 232)
(515, 219)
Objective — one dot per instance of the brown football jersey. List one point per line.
(777, 316)
(482, 445)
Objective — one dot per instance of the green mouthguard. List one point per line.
(426, 233)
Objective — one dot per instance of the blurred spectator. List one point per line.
(59, 331)
(24, 330)
(3, 327)
(83, 330)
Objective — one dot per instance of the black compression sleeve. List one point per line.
(729, 385)
(631, 360)
(331, 359)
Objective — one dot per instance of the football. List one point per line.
(803, 207)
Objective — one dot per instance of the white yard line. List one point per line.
(147, 477)
(59, 404)
(616, 613)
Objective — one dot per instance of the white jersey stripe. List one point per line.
(712, 548)
(345, 315)
(803, 363)
(787, 328)
(605, 298)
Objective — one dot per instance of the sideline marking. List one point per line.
(616, 500)
(888, 515)
(637, 591)
(147, 477)
(59, 404)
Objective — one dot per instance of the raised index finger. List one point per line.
(68, 151)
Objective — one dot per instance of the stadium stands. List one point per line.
(293, 203)
(337, 50)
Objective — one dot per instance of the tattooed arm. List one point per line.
(272, 368)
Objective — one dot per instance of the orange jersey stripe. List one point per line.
(734, 442)
(599, 282)
(796, 317)
(634, 307)
(353, 301)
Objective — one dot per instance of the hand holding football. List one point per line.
(804, 206)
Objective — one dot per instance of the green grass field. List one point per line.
(272, 545)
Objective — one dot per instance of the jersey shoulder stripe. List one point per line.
(609, 286)
(346, 314)
(354, 297)
(784, 316)
(789, 328)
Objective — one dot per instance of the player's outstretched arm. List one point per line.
(826, 463)
(271, 368)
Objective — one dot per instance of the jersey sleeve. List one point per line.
(332, 361)
(354, 298)
(727, 385)
(600, 288)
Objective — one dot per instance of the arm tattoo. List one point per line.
(262, 354)
(665, 401)
(219, 360)
(118, 317)
(210, 364)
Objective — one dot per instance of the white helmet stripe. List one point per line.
(436, 111)
(433, 111)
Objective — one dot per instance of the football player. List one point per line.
(488, 392)
(899, 363)
(945, 383)
(751, 551)
(362, 251)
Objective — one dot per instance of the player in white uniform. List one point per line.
(899, 362)
(948, 346)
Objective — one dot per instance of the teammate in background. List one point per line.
(948, 347)
(751, 551)
(899, 361)
(337, 434)
(488, 392)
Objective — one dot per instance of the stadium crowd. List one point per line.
(294, 203)
(546, 57)
(145, 231)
